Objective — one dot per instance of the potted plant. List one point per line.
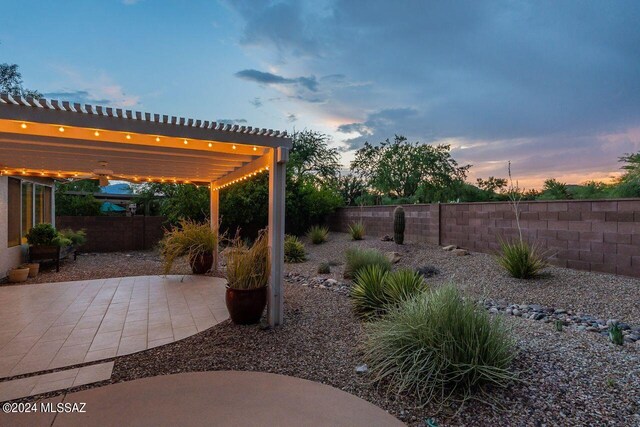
(33, 267)
(18, 274)
(45, 243)
(195, 240)
(248, 270)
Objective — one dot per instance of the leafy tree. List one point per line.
(11, 82)
(312, 158)
(629, 184)
(591, 190)
(554, 190)
(350, 188)
(77, 204)
(400, 168)
(492, 184)
(176, 201)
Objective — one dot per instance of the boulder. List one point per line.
(449, 248)
(394, 257)
(387, 238)
(460, 252)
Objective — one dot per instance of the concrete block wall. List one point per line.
(113, 234)
(593, 235)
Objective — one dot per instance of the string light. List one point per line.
(96, 133)
(23, 126)
(255, 148)
(185, 142)
(210, 145)
(61, 129)
(128, 136)
(157, 139)
(233, 146)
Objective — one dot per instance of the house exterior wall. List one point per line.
(9, 257)
(592, 235)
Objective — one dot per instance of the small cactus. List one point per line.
(615, 334)
(558, 324)
(398, 225)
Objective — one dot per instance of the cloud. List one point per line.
(232, 121)
(256, 102)
(261, 77)
(112, 95)
(540, 81)
(292, 118)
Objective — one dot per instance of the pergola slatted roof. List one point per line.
(136, 145)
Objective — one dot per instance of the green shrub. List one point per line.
(521, 259)
(294, 249)
(439, 346)
(358, 258)
(190, 238)
(77, 238)
(367, 293)
(324, 268)
(42, 234)
(376, 290)
(404, 284)
(318, 234)
(356, 230)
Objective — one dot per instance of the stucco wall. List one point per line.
(9, 257)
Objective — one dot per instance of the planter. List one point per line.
(246, 305)
(18, 275)
(34, 268)
(201, 263)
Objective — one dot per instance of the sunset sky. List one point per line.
(554, 87)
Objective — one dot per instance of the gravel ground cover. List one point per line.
(479, 275)
(567, 378)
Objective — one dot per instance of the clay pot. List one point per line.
(201, 263)
(246, 305)
(18, 275)
(34, 268)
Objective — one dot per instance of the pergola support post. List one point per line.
(214, 209)
(277, 182)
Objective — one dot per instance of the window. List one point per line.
(29, 204)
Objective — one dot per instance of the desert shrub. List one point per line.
(402, 285)
(189, 238)
(318, 234)
(356, 230)
(439, 346)
(294, 249)
(376, 290)
(324, 268)
(358, 258)
(367, 294)
(521, 259)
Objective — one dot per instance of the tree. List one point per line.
(311, 157)
(11, 82)
(400, 168)
(554, 190)
(176, 201)
(491, 184)
(77, 204)
(350, 188)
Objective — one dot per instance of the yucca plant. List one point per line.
(404, 284)
(248, 267)
(376, 290)
(368, 295)
(615, 334)
(521, 259)
(318, 234)
(439, 346)
(189, 238)
(356, 230)
(294, 249)
(358, 258)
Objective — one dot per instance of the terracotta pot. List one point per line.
(34, 268)
(18, 275)
(246, 305)
(201, 263)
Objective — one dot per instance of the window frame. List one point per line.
(35, 184)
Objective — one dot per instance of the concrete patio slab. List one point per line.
(53, 325)
(31, 386)
(225, 398)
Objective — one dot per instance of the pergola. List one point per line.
(63, 140)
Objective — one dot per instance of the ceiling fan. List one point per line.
(102, 173)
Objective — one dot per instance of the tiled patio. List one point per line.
(53, 325)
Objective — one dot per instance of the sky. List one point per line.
(551, 86)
